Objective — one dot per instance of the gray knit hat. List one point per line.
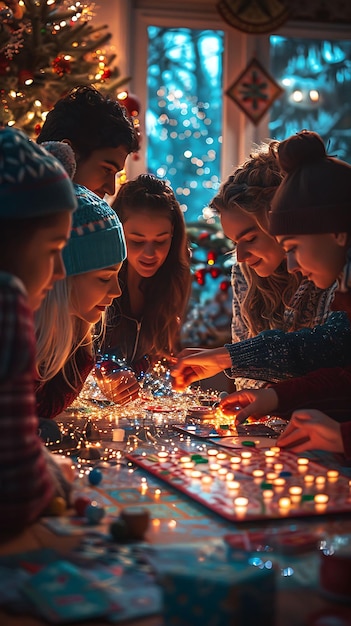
(315, 195)
(97, 238)
(32, 182)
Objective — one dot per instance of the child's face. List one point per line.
(93, 291)
(39, 262)
(254, 246)
(98, 171)
(149, 237)
(320, 258)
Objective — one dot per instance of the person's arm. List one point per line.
(274, 355)
(55, 395)
(26, 485)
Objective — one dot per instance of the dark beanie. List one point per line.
(315, 195)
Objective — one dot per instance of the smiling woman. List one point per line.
(144, 323)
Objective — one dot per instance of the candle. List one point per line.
(246, 455)
(222, 472)
(302, 464)
(229, 476)
(206, 480)
(187, 467)
(162, 456)
(221, 456)
(257, 473)
(233, 485)
(185, 459)
(214, 467)
(212, 452)
(235, 460)
(196, 474)
(295, 494)
(271, 476)
(320, 482)
(267, 494)
(278, 484)
(275, 449)
(157, 493)
(332, 475)
(284, 505)
(278, 467)
(118, 434)
(269, 454)
(240, 505)
(320, 502)
(308, 479)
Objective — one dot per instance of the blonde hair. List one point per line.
(251, 188)
(59, 335)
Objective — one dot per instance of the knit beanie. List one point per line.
(97, 237)
(315, 195)
(33, 183)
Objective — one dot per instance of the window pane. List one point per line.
(184, 113)
(316, 76)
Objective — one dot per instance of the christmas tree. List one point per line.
(209, 315)
(46, 48)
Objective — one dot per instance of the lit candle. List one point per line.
(271, 476)
(214, 467)
(221, 456)
(267, 494)
(187, 467)
(240, 505)
(185, 459)
(278, 467)
(235, 460)
(284, 505)
(302, 464)
(162, 456)
(332, 475)
(229, 476)
(246, 455)
(206, 480)
(157, 493)
(212, 452)
(278, 484)
(257, 473)
(308, 479)
(233, 485)
(118, 434)
(269, 454)
(320, 482)
(295, 494)
(321, 501)
(275, 449)
(196, 474)
(222, 472)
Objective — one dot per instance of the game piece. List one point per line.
(95, 476)
(119, 531)
(94, 513)
(137, 521)
(57, 506)
(80, 504)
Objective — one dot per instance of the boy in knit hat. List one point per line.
(36, 202)
(66, 320)
(311, 218)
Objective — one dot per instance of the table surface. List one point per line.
(176, 519)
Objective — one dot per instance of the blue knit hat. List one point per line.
(97, 237)
(33, 183)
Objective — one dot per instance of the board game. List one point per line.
(254, 485)
(205, 431)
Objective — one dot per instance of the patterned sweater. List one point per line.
(277, 354)
(26, 481)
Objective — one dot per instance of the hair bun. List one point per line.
(304, 147)
(64, 153)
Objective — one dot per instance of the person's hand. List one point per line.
(120, 386)
(195, 364)
(254, 402)
(311, 430)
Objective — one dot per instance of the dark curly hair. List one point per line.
(90, 121)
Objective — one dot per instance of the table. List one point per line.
(176, 519)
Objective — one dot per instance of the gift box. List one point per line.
(219, 594)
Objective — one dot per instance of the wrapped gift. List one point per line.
(218, 594)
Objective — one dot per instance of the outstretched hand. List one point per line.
(194, 364)
(254, 403)
(311, 430)
(120, 386)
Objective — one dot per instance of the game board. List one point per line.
(204, 431)
(255, 485)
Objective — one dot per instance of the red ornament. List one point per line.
(215, 272)
(106, 74)
(131, 102)
(200, 276)
(224, 285)
(211, 257)
(61, 66)
(37, 129)
(203, 236)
